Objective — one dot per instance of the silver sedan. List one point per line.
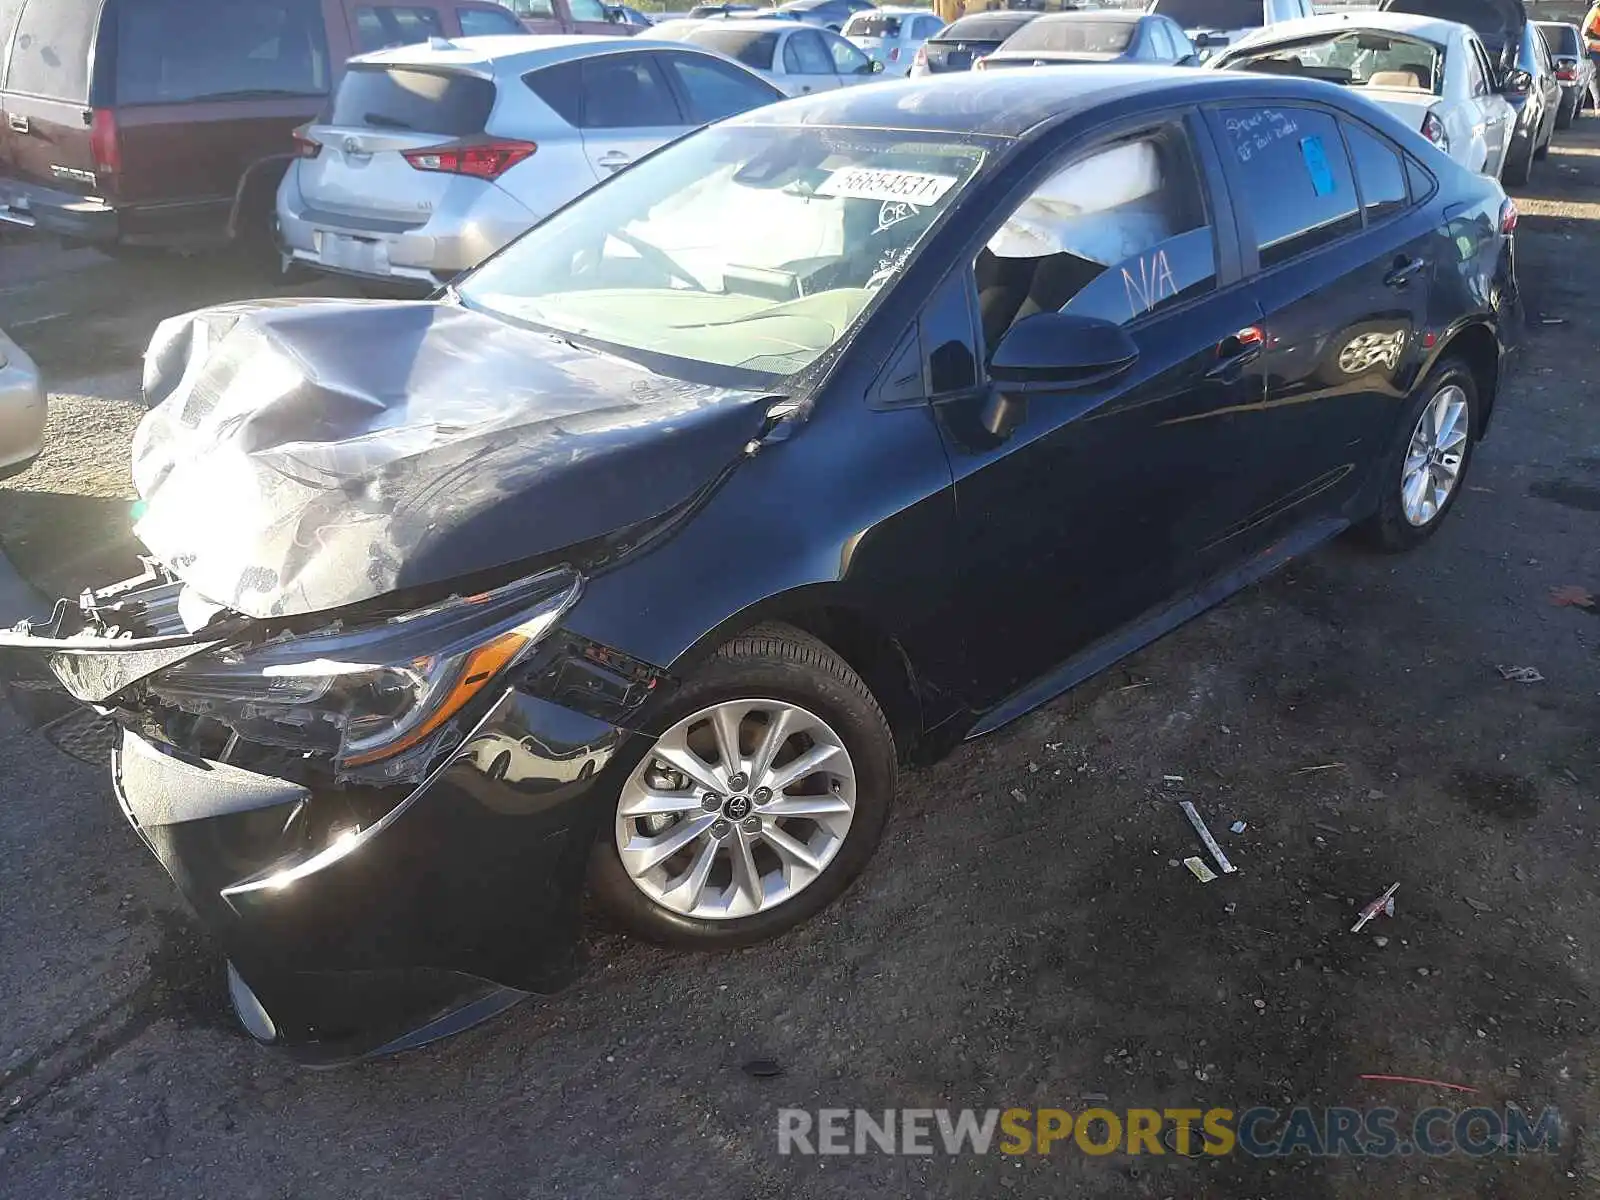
(22, 409)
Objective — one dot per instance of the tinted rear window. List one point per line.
(1081, 37)
(752, 47)
(1212, 14)
(426, 101)
(872, 25)
(1562, 39)
(171, 51)
(50, 50)
(982, 29)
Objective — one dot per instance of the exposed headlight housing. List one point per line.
(380, 700)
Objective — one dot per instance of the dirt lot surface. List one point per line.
(1024, 937)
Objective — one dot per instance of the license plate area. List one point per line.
(350, 252)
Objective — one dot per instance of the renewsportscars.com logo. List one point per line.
(1192, 1132)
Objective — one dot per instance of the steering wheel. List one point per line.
(660, 258)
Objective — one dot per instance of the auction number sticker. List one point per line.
(868, 183)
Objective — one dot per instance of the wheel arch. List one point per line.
(1477, 345)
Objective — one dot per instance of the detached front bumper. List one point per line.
(23, 409)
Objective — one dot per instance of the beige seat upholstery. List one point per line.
(1394, 79)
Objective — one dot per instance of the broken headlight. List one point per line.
(378, 700)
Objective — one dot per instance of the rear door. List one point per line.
(379, 114)
(628, 109)
(45, 96)
(205, 88)
(1343, 258)
(1492, 115)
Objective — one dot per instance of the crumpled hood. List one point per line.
(304, 455)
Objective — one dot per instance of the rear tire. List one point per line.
(1398, 524)
(1516, 170)
(1544, 146)
(770, 669)
(1566, 112)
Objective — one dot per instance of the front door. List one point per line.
(1345, 263)
(628, 110)
(1083, 508)
(807, 64)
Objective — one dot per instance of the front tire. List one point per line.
(1423, 471)
(759, 804)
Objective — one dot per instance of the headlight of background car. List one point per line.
(377, 700)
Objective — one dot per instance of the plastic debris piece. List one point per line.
(1238, 827)
(762, 1068)
(1521, 674)
(1018, 795)
(1383, 904)
(1333, 766)
(1197, 868)
(1205, 836)
(1573, 595)
(1172, 778)
(1454, 1087)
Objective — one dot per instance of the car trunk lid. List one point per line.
(955, 54)
(355, 163)
(1498, 23)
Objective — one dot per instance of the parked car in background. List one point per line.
(557, 507)
(1575, 70)
(1079, 38)
(796, 58)
(892, 36)
(432, 157)
(965, 40)
(23, 409)
(830, 14)
(1213, 24)
(1433, 75)
(134, 123)
(622, 14)
(1523, 71)
(570, 16)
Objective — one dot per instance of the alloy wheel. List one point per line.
(736, 809)
(1433, 459)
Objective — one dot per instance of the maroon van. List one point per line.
(167, 122)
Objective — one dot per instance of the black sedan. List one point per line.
(643, 558)
(1082, 38)
(967, 39)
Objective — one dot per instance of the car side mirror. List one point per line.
(1053, 352)
(873, 67)
(1516, 83)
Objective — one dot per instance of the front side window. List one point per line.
(1353, 58)
(378, 28)
(1070, 36)
(170, 51)
(1115, 234)
(1293, 179)
(804, 54)
(847, 60)
(716, 90)
(741, 253)
(1380, 170)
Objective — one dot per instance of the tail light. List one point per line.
(304, 146)
(920, 62)
(894, 53)
(480, 160)
(1567, 72)
(1433, 130)
(1508, 215)
(105, 143)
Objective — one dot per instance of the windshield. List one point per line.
(1212, 14)
(753, 247)
(1357, 57)
(1073, 36)
(1561, 39)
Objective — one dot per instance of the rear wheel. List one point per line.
(759, 804)
(1422, 473)
(1518, 166)
(1566, 112)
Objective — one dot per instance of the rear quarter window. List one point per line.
(172, 51)
(402, 98)
(50, 47)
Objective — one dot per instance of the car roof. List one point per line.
(509, 50)
(1099, 16)
(1557, 25)
(1017, 104)
(1433, 29)
(895, 10)
(754, 23)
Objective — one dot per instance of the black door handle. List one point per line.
(1234, 353)
(1403, 271)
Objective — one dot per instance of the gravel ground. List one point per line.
(1023, 938)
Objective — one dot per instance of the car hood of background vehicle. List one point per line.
(305, 455)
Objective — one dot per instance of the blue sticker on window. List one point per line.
(1317, 166)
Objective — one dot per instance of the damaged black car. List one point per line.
(637, 563)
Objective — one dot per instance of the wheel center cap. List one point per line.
(737, 808)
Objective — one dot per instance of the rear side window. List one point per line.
(402, 98)
(1382, 174)
(50, 48)
(751, 47)
(378, 27)
(1292, 179)
(716, 89)
(561, 87)
(170, 51)
(480, 22)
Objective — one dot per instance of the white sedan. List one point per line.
(1434, 75)
(797, 59)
